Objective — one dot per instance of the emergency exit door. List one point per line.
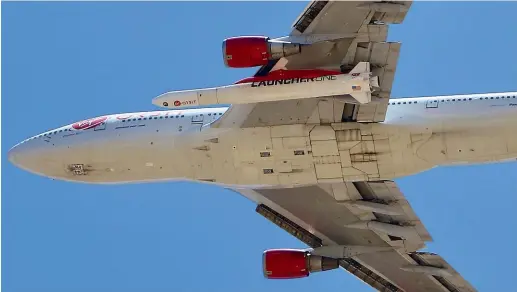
(431, 104)
(198, 119)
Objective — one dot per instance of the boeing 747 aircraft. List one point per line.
(416, 134)
(313, 138)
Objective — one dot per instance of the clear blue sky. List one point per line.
(63, 62)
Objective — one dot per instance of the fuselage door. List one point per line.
(431, 104)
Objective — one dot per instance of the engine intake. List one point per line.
(252, 51)
(294, 263)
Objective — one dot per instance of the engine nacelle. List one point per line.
(252, 51)
(294, 263)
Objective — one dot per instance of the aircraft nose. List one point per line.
(34, 155)
(15, 154)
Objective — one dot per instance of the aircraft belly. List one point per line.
(118, 161)
(307, 154)
(453, 117)
(469, 146)
(286, 155)
(481, 146)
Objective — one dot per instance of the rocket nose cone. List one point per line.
(161, 100)
(177, 99)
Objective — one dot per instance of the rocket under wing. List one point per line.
(358, 83)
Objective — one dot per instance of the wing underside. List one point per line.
(355, 31)
(342, 214)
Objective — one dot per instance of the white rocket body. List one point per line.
(357, 84)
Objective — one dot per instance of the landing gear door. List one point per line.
(431, 104)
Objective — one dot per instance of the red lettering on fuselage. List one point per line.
(88, 124)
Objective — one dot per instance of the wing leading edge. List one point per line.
(369, 214)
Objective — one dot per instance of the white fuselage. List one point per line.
(417, 134)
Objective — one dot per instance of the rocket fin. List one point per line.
(361, 67)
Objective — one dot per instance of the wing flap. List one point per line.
(454, 281)
(388, 193)
(393, 265)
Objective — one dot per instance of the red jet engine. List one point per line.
(252, 51)
(294, 263)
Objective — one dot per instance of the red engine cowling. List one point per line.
(293, 263)
(252, 51)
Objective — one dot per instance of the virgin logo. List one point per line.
(88, 124)
(177, 103)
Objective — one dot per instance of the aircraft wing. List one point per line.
(349, 32)
(371, 214)
(340, 214)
